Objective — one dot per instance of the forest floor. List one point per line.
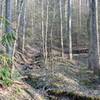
(60, 80)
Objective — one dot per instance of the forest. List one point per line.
(49, 50)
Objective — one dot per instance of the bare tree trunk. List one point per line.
(66, 20)
(80, 28)
(70, 27)
(87, 3)
(24, 27)
(46, 36)
(51, 39)
(2, 15)
(15, 42)
(94, 58)
(8, 28)
(42, 15)
(80, 13)
(33, 18)
(61, 29)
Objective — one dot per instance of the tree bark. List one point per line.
(15, 42)
(94, 58)
(42, 15)
(24, 26)
(46, 35)
(69, 27)
(8, 28)
(61, 29)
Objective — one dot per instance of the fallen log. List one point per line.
(70, 95)
(74, 51)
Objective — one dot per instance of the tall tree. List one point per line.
(46, 35)
(15, 42)
(33, 16)
(2, 11)
(8, 28)
(42, 24)
(69, 27)
(61, 29)
(94, 58)
(24, 27)
(80, 12)
(51, 37)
